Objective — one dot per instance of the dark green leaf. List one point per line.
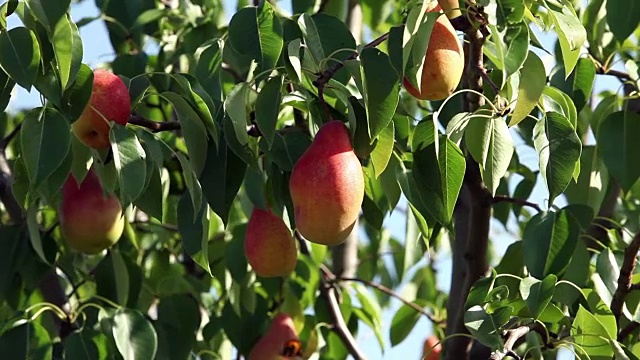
(134, 336)
(549, 239)
(559, 148)
(194, 228)
(48, 12)
(382, 87)
(45, 141)
(402, 324)
(268, 108)
(26, 340)
(67, 46)
(20, 55)
(129, 160)
(537, 293)
(623, 18)
(619, 146)
(486, 327)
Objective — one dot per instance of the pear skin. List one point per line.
(109, 102)
(431, 349)
(327, 186)
(443, 63)
(90, 222)
(280, 342)
(269, 245)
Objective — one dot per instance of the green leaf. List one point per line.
(34, 235)
(134, 335)
(77, 96)
(83, 345)
(486, 327)
(193, 130)
(517, 38)
(491, 145)
(439, 173)
(571, 33)
(537, 294)
(154, 195)
(381, 154)
(129, 160)
(590, 189)
(533, 78)
(26, 340)
(415, 41)
(256, 32)
(578, 84)
(268, 108)
(194, 228)
(221, 179)
(402, 324)
(45, 141)
(559, 148)
(619, 147)
(48, 12)
(372, 310)
(590, 334)
(236, 106)
(112, 278)
(67, 46)
(382, 86)
(20, 55)
(6, 87)
(623, 18)
(548, 241)
(510, 10)
(15, 247)
(193, 185)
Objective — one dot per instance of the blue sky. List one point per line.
(96, 50)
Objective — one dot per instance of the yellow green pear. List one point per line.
(269, 245)
(90, 221)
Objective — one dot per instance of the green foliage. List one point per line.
(220, 115)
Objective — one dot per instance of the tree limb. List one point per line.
(631, 327)
(522, 202)
(154, 126)
(511, 338)
(393, 294)
(328, 292)
(624, 280)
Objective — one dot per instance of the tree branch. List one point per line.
(631, 327)
(154, 126)
(511, 338)
(522, 202)
(624, 280)
(621, 75)
(393, 294)
(7, 139)
(473, 212)
(328, 292)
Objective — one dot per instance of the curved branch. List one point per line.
(624, 280)
(503, 198)
(154, 126)
(393, 294)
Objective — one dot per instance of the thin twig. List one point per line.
(154, 126)
(522, 202)
(624, 280)
(392, 293)
(10, 136)
(328, 292)
(511, 338)
(623, 76)
(631, 327)
(487, 79)
(634, 287)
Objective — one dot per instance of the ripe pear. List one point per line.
(443, 63)
(431, 351)
(280, 342)
(327, 186)
(109, 102)
(269, 244)
(451, 8)
(90, 221)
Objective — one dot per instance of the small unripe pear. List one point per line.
(443, 63)
(109, 102)
(327, 186)
(269, 245)
(90, 221)
(280, 342)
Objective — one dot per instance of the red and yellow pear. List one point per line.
(269, 245)
(443, 63)
(90, 221)
(432, 349)
(109, 102)
(280, 342)
(327, 186)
